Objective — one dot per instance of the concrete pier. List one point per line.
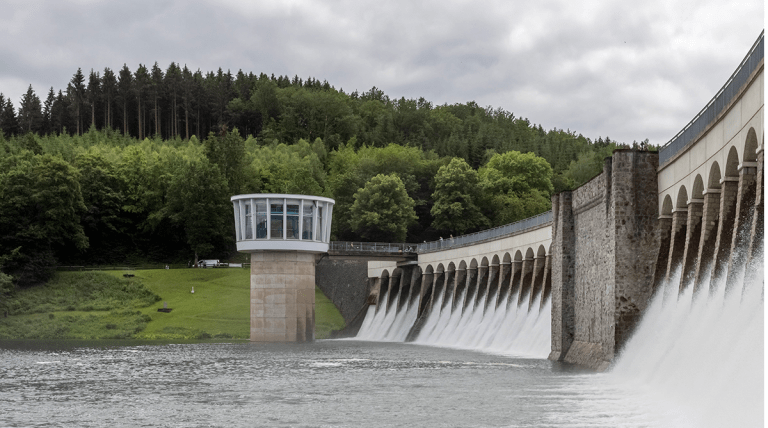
(282, 296)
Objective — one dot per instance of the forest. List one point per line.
(140, 165)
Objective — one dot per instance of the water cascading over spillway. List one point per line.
(490, 321)
(520, 329)
(393, 317)
(700, 349)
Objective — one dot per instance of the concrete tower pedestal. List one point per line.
(284, 234)
(282, 296)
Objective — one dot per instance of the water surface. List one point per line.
(323, 384)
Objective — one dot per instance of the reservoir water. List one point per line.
(694, 361)
(324, 384)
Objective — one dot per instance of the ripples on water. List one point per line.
(328, 383)
(324, 384)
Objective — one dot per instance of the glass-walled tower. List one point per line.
(283, 234)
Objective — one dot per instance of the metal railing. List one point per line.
(721, 100)
(495, 233)
(372, 247)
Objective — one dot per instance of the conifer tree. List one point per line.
(109, 89)
(30, 112)
(141, 83)
(48, 112)
(76, 92)
(8, 121)
(156, 91)
(93, 93)
(125, 92)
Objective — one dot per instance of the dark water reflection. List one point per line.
(327, 383)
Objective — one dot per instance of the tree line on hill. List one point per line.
(115, 170)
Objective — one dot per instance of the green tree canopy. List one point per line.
(228, 152)
(280, 168)
(350, 169)
(40, 209)
(198, 201)
(515, 186)
(588, 165)
(518, 173)
(382, 210)
(456, 190)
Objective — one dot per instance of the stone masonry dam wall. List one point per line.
(604, 249)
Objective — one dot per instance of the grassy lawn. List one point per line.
(95, 305)
(219, 307)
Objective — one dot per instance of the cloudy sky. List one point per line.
(628, 70)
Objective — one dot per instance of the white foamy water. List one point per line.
(390, 322)
(703, 352)
(478, 324)
(694, 361)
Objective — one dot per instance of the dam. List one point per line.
(573, 284)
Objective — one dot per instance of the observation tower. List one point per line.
(284, 235)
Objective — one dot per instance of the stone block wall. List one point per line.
(604, 251)
(636, 238)
(562, 260)
(344, 280)
(593, 251)
(282, 296)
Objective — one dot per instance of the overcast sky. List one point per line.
(628, 70)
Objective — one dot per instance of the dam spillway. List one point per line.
(503, 319)
(687, 219)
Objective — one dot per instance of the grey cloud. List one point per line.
(596, 67)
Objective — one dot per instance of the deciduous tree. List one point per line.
(456, 190)
(382, 210)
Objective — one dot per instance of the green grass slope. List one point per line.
(103, 305)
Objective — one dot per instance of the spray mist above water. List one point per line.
(702, 352)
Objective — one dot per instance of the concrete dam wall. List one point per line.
(574, 283)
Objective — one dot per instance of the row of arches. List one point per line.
(714, 176)
(521, 277)
(717, 223)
